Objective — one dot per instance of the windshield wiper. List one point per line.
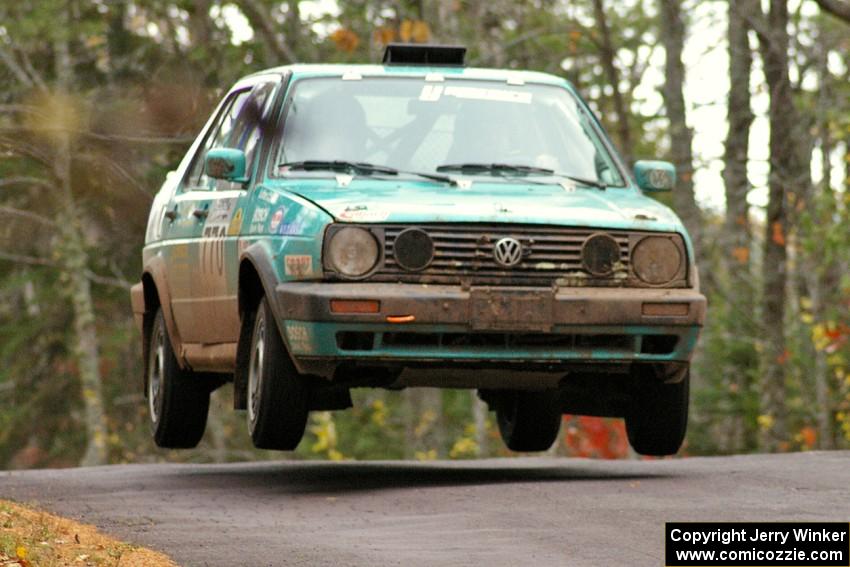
(506, 168)
(360, 168)
(492, 168)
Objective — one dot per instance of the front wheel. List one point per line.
(178, 400)
(657, 417)
(278, 397)
(528, 421)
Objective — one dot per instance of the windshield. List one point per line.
(414, 125)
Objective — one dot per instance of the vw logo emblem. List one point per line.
(508, 252)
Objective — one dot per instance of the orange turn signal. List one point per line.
(401, 318)
(665, 309)
(355, 306)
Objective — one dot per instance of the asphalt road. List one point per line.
(496, 512)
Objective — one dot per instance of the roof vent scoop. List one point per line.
(420, 54)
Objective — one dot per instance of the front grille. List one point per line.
(464, 254)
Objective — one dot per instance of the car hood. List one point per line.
(371, 200)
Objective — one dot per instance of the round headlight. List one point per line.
(599, 254)
(352, 252)
(656, 260)
(413, 249)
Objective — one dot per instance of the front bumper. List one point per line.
(451, 324)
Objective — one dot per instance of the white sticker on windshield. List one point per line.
(432, 93)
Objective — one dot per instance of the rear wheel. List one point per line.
(657, 418)
(528, 421)
(178, 400)
(278, 397)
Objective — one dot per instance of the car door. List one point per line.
(221, 205)
(184, 227)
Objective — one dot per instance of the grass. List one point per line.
(31, 538)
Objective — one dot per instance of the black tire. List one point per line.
(178, 399)
(657, 418)
(528, 421)
(278, 397)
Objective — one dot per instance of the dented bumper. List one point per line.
(429, 323)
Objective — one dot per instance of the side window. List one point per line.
(195, 178)
(248, 128)
(238, 126)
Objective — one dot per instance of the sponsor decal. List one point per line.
(362, 214)
(268, 196)
(299, 338)
(298, 265)
(277, 217)
(290, 228)
(220, 213)
(258, 221)
(235, 225)
(432, 93)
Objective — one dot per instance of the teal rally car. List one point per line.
(415, 223)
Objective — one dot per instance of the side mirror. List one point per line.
(226, 163)
(655, 175)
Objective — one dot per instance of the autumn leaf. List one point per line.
(345, 40)
(405, 30)
(421, 33)
(783, 358)
(809, 436)
(741, 254)
(778, 234)
(384, 35)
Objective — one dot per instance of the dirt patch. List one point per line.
(31, 538)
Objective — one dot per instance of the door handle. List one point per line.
(200, 214)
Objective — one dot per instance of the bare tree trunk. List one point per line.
(479, 416)
(74, 264)
(200, 32)
(823, 274)
(788, 171)
(681, 137)
(488, 32)
(608, 54)
(736, 231)
(411, 417)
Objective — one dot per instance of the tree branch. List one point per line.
(838, 8)
(11, 63)
(27, 181)
(27, 215)
(37, 261)
(263, 23)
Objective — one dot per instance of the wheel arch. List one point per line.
(155, 294)
(257, 278)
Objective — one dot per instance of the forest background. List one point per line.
(750, 100)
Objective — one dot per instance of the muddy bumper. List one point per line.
(324, 323)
